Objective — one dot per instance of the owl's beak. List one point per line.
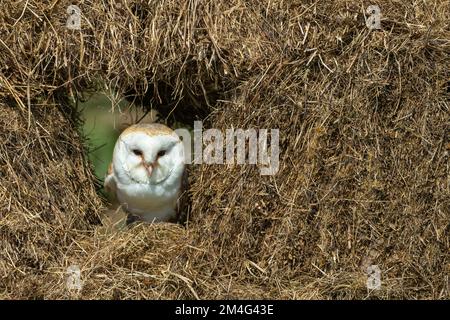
(148, 167)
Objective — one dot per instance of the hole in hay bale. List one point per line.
(104, 120)
(102, 124)
(178, 112)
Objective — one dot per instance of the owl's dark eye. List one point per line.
(161, 153)
(137, 152)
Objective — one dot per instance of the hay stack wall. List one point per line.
(364, 139)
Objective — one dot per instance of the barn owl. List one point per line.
(147, 172)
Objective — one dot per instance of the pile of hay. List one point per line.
(364, 140)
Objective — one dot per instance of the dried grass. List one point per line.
(364, 137)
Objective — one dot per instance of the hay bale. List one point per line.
(363, 119)
(47, 196)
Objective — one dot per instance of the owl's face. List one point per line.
(147, 156)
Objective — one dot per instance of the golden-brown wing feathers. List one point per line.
(110, 182)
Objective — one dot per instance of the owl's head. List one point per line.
(148, 154)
